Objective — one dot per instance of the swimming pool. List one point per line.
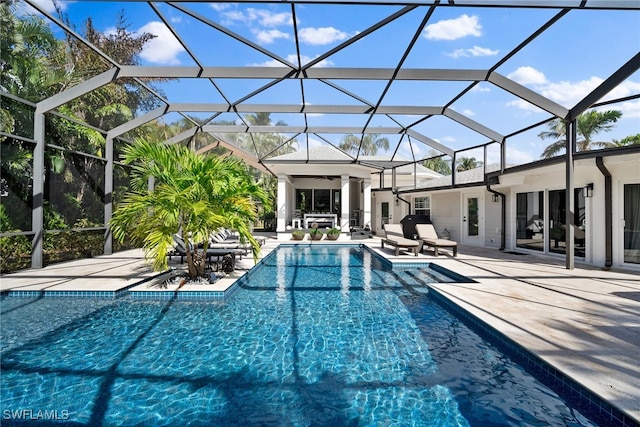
(316, 335)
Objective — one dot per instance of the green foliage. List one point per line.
(437, 163)
(15, 253)
(298, 234)
(53, 220)
(467, 163)
(588, 125)
(624, 142)
(194, 194)
(333, 231)
(366, 145)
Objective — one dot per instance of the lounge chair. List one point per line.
(226, 236)
(219, 253)
(427, 233)
(395, 237)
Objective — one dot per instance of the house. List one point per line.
(326, 184)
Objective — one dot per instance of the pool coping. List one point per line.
(579, 394)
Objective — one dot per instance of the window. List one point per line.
(422, 206)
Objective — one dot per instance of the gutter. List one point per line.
(503, 219)
(400, 198)
(608, 212)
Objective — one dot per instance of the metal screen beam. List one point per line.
(528, 95)
(76, 91)
(473, 125)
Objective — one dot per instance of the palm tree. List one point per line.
(467, 163)
(624, 142)
(367, 145)
(195, 194)
(587, 126)
(437, 164)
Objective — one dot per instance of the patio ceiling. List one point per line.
(396, 89)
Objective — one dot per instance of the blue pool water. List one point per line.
(315, 336)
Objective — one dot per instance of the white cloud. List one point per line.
(163, 49)
(219, 7)
(453, 29)
(517, 157)
(292, 58)
(269, 36)
(480, 89)
(446, 139)
(235, 15)
(473, 52)
(569, 93)
(468, 113)
(524, 105)
(262, 17)
(629, 109)
(528, 76)
(270, 19)
(49, 7)
(321, 36)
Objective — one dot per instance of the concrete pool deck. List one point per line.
(585, 322)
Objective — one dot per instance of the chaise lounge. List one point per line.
(394, 236)
(427, 233)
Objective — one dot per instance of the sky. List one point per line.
(564, 64)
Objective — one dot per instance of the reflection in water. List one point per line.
(281, 294)
(366, 273)
(345, 256)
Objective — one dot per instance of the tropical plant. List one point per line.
(194, 194)
(367, 145)
(297, 234)
(624, 142)
(333, 230)
(467, 163)
(588, 125)
(437, 163)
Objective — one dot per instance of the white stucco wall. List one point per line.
(445, 213)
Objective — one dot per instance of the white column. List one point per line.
(282, 204)
(108, 195)
(345, 209)
(37, 212)
(367, 204)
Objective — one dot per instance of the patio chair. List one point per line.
(394, 236)
(427, 233)
(226, 236)
(180, 249)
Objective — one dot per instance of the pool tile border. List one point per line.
(582, 397)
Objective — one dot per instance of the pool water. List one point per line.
(326, 335)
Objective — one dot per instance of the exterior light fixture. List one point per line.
(588, 190)
(495, 198)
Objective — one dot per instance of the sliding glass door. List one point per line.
(556, 239)
(632, 223)
(530, 220)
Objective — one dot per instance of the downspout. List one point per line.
(608, 213)
(406, 201)
(503, 219)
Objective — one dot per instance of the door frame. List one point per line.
(379, 200)
(465, 238)
(619, 225)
